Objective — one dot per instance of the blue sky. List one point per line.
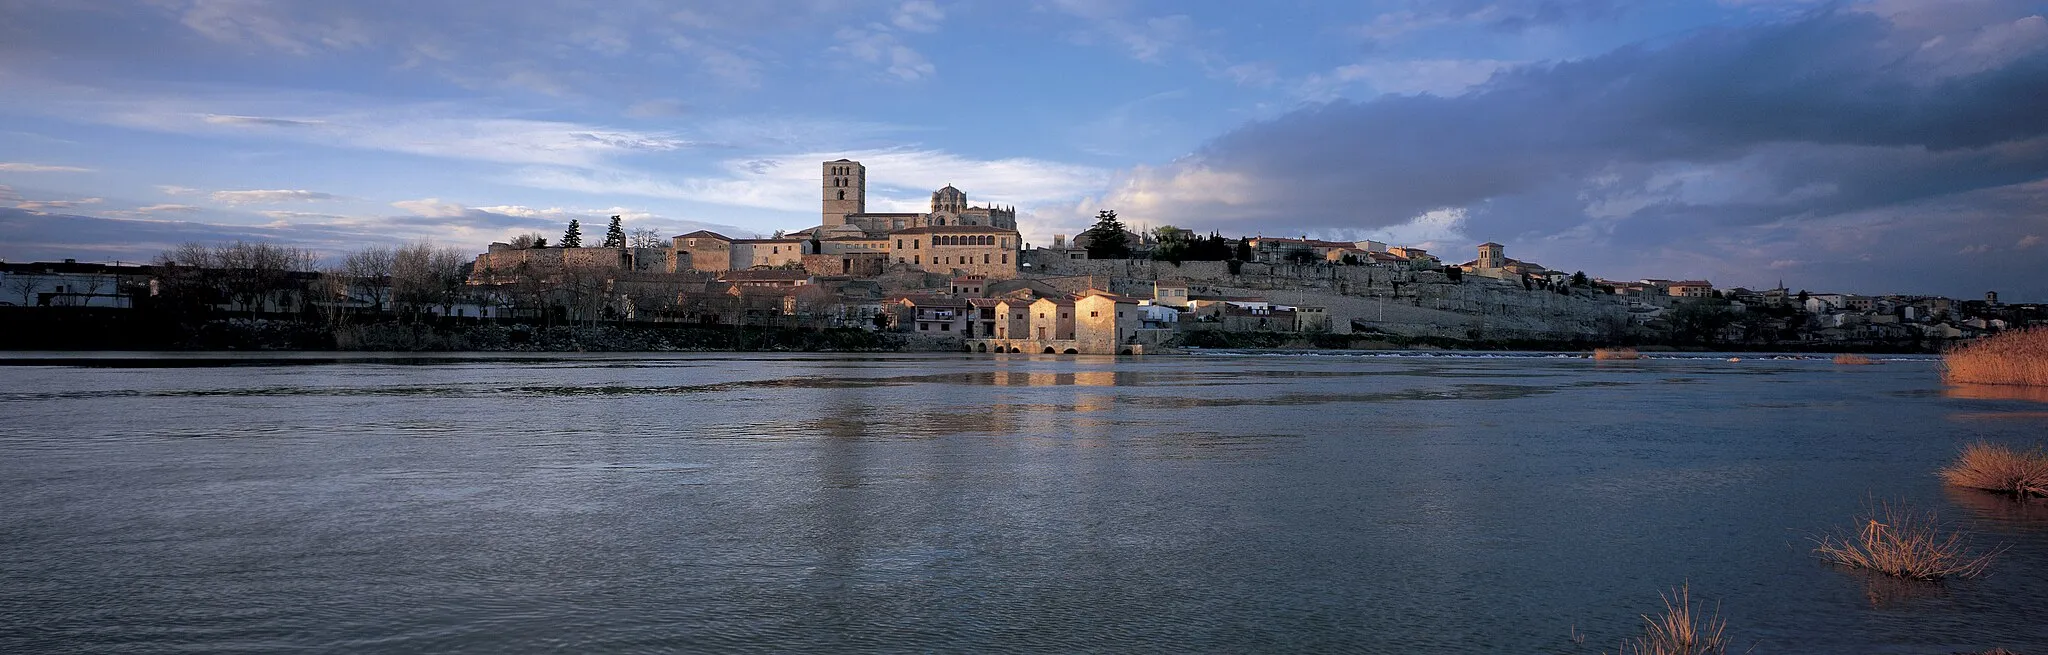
(1858, 146)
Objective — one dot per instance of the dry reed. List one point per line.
(1685, 628)
(1853, 360)
(1616, 353)
(2014, 357)
(1897, 541)
(2001, 469)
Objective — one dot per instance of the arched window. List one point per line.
(842, 194)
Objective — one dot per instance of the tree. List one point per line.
(615, 236)
(1579, 279)
(1454, 274)
(1244, 250)
(573, 238)
(528, 240)
(424, 276)
(1108, 239)
(650, 253)
(25, 285)
(366, 274)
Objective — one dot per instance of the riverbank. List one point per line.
(140, 331)
(1298, 342)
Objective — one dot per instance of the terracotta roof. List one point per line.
(781, 240)
(982, 302)
(700, 234)
(1057, 301)
(1490, 243)
(1112, 297)
(1693, 283)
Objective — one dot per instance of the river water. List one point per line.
(921, 503)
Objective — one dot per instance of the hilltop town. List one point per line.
(960, 277)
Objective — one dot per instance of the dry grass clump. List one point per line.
(1899, 542)
(2014, 357)
(1847, 359)
(1616, 353)
(2001, 469)
(1685, 628)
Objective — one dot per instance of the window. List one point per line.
(1064, 315)
(1094, 314)
(984, 258)
(899, 244)
(842, 194)
(1006, 258)
(1119, 314)
(913, 244)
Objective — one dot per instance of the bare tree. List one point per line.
(528, 240)
(243, 273)
(367, 274)
(424, 275)
(25, 285)
(650, 251)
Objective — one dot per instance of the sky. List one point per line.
(1861, 146)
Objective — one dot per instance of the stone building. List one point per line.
(1013, 318)
(1051, 320)
(1104, 323)
(990, 252)
(954, 237)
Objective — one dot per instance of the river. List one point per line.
(921, 503)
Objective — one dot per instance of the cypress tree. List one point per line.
(615, 236)
(574, 237)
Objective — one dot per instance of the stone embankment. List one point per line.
(1368, 298)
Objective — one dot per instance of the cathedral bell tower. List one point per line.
(846, 190)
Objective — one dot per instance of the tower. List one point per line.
(948, 201)
(846, 190)
(1491, 255)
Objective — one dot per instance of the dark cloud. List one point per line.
(36, 236)
(1840, 112)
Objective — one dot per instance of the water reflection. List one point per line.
(1997, 392)
(2026, 515)
(1887, 592)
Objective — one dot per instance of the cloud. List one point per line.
(432, 208)
(38, 205)
(270, 196)
(1146, 38)
(1499, 16)
(20, 167)
(222, 119)
(2028, 241)
(182, 209)
(1725, 149)
(175, 190)
(663, 108)
(879, 47)
(1443, 77)
(918, 16)
(898, 180)
(8, 194)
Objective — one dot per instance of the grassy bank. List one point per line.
(2018, 358)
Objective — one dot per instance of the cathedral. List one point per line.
(954, 237)
(846, 207)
